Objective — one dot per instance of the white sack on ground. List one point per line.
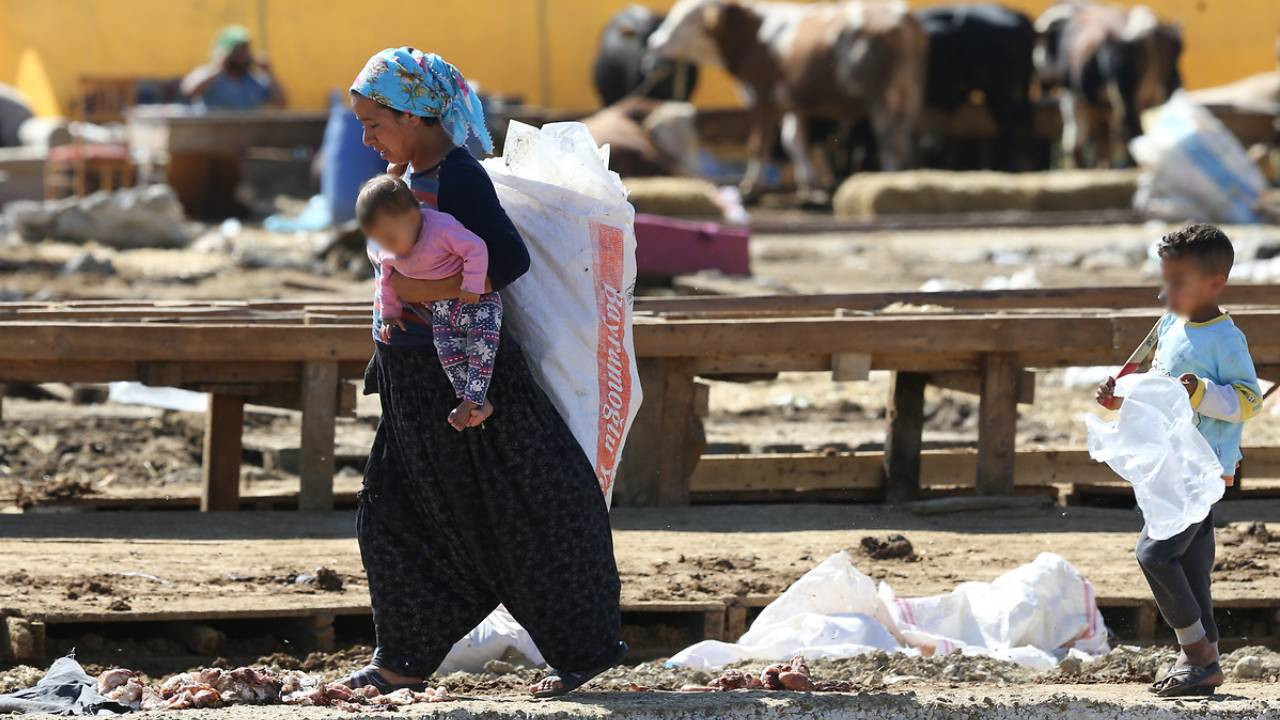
(572, 310)
(1032, 615)
(1193, 167)
(1154, 444)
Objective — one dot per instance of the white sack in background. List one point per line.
(1033, 615)
(572, 310)
(1154, 444)
(167, 398)
(1193, 167)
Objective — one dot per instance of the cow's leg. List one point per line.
(795, 140)
(1076, 127)
(764, 129)
(893, 133)
(1125, 122)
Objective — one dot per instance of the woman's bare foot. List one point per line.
(480, 414)
(460, 417)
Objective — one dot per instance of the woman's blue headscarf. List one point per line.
(423, 84)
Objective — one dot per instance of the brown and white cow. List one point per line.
(1109, 63)
(793, 61)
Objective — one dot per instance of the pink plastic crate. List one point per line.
(666, 247)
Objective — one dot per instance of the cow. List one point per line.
(795, 61)
(647, 137)
(984, 49)
(1108, 63)
(625, 67)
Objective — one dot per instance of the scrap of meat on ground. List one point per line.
(624, 66)
(795, 62)
(1108, 63)
(792, 675)
(215, 687)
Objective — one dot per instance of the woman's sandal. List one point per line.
(370, 676)
(570, 681)
(1187, 681)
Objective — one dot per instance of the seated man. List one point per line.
(233, 78)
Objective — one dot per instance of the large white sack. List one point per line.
(572, 310)
(1027, 615)
(832, 611)
(1193, 167)
(1154, 444)
(1033, 615)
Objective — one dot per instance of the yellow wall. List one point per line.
(318, 45)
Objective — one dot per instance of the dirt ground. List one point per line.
(161, 562)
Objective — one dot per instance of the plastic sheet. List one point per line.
(1033, 615)
(1154, 444)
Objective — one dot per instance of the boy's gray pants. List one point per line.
(1178, 571)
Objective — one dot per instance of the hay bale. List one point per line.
(870, 195)
(675, 197)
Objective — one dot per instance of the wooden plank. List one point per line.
(224, 424)
(1138, 296)
(666, 438)
(938, 468)
(902, 439)
(850, 367)
(878, 334)
(997, 425)
(196, 342)
(319, 407)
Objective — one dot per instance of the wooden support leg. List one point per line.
(666, 440)
(713, 624)
(997, 424)
(224, 423)
(735, 622)
(319, 408)
(315, 633)
(1146, 621)
(25, 639)
(903, 438)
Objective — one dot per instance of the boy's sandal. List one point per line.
(1187, 680)
(370, 676)
(558, 683)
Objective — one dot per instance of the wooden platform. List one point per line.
(687, 573)
(303, 356)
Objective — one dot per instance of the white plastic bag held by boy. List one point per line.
(572, 310)
(1154, 444)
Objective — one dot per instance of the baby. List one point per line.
(430, 245)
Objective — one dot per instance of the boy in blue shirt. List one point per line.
(1200, 345)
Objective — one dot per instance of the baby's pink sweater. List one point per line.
(444, 248)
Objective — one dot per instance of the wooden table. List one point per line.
(202, 149)
(297, 355)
